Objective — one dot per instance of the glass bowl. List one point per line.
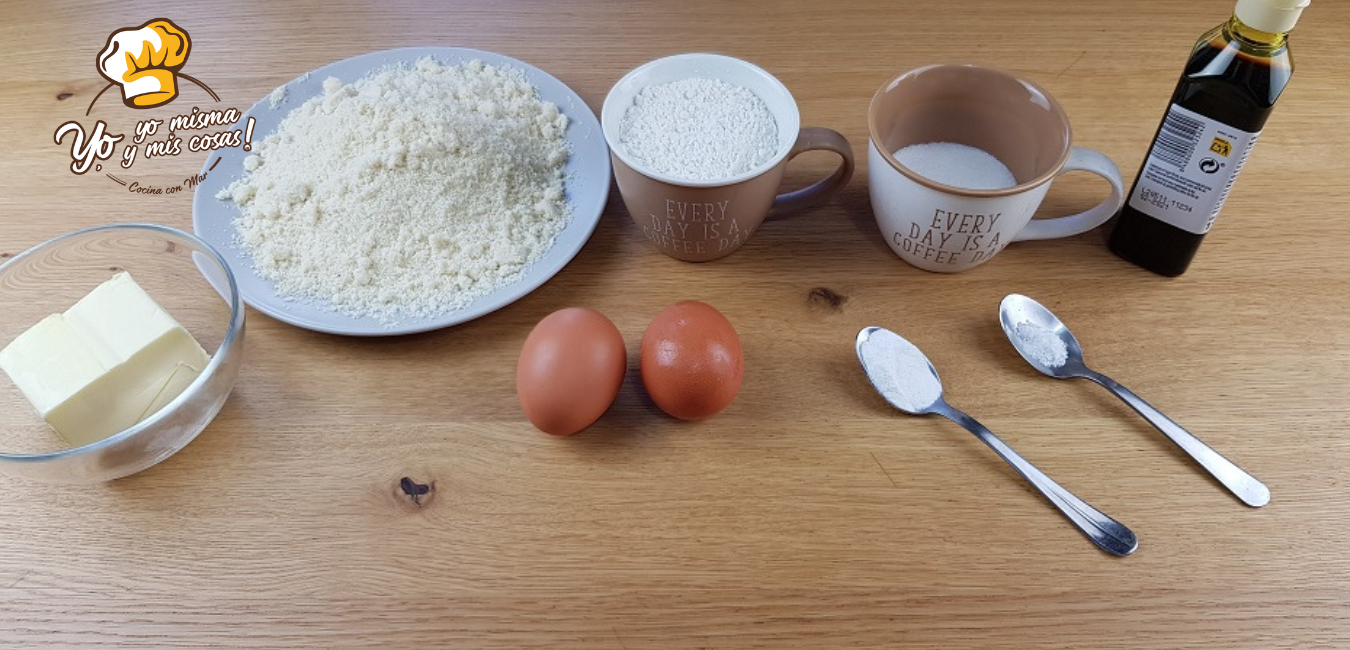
(189, 280)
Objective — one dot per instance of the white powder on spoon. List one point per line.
(901, 372)
(699, 129)
(1041, 344)
(408, 193)
(957, 165)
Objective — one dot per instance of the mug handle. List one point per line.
(814, 138)
(1087, 160)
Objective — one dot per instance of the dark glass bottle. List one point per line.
(1229, 86)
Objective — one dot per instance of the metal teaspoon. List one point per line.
(1049, 346)
(896, 369)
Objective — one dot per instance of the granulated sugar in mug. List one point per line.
(957, 165)
(699, 129)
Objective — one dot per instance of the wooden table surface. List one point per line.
(808, 514)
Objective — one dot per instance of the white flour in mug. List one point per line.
(699, 130)
(408, 193)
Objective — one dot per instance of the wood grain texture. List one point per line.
(808, 515)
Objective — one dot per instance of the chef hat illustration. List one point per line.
(144, 61)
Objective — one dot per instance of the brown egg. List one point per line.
(570, 370)
(691, 360)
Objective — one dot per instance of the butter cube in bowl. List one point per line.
(118, 345)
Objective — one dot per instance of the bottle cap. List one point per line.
(1274, 16)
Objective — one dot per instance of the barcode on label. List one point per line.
(1190, 169)
(1177, 139)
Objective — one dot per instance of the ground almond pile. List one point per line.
(407, 193)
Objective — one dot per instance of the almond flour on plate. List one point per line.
(408, 193)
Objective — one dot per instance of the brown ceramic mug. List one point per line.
(699, 221)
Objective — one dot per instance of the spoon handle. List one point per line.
(1108, 534)
(1245, 486)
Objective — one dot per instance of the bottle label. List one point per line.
(1190, 170)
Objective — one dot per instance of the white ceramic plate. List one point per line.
(586, 185)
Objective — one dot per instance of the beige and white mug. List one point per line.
(698, 221)
(944, 228)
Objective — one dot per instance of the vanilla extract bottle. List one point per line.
(1229, 86)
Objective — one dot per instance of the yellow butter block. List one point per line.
(50, 362)
(110, 361)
